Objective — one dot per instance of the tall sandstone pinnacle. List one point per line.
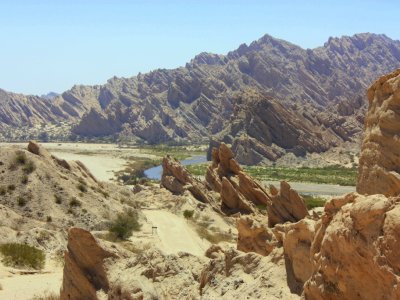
(379, 171)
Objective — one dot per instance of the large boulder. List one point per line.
(380, 154)
(355, 250)
(84, 272)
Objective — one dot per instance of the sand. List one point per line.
(175, 234)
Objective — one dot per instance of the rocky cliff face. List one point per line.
(379, 170)
(319, 90)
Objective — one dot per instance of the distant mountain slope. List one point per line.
(325, 86)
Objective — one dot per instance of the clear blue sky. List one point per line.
(54, 44)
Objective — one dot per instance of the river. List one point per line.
(329, 190)
(155, 172)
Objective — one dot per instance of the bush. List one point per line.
(188, 214)
(24, 179)
(46, 296)
(20, 255)
(125, 224)
(20, 158)
(2, 190)
(82, 187)
(11, 187)
(75, 202)
(58, 199)
(49, 219)
(21, 201)
(29, 167)
(313, 201)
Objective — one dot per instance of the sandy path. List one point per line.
(23, 287)
(175, 234)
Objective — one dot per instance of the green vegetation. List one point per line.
(3, 190)
(313, 201)
(49, 219)
(188, 214)
(21, 201)
(329, 175)
(82, 187)
(74, 202)
(125, 224)
(20, 158)
(20, 255)
(57, 199)
(24, 179)
(11, 187)
(29, 167)
(134, 171)
(179, 152)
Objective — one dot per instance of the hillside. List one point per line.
(323, 88)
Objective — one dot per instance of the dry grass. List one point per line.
(46, 296)
(213, 237)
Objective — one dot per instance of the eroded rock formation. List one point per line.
(355, 250)
(177, 179)
(84, 272)
(255, 236)
(286, 205)
(239, 192)
(379, 171)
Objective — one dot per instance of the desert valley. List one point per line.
(268, 172)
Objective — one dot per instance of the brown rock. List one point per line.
(177, 179)
(35, 148)
(355, 250)
(380, 154)
(84, 273)
(297, 239)
(286, 206)
(255, 236)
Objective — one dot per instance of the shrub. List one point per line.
(58, 199)
(24, 179)
(313, 201)
(29, 167)
(49, 219)
(74, 202)
(46, 296)
(188, 214)
(82, 187)
(2, 190)
(20, 158)
(125, 224)
(11, 187)
(21, 201)
(21, 255)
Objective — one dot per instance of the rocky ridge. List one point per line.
(319, 90)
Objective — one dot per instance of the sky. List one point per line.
(50, 45)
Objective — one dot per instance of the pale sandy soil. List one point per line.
(175, 234)
(23, 287)
(101, 159)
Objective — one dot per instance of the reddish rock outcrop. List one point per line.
(380, 154)
(255, 236)
(285, 206)
(84, 272)
(177, 179)
(355, 250)
(296, 239)
(239, 192)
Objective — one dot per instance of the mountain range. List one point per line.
(266, 99)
